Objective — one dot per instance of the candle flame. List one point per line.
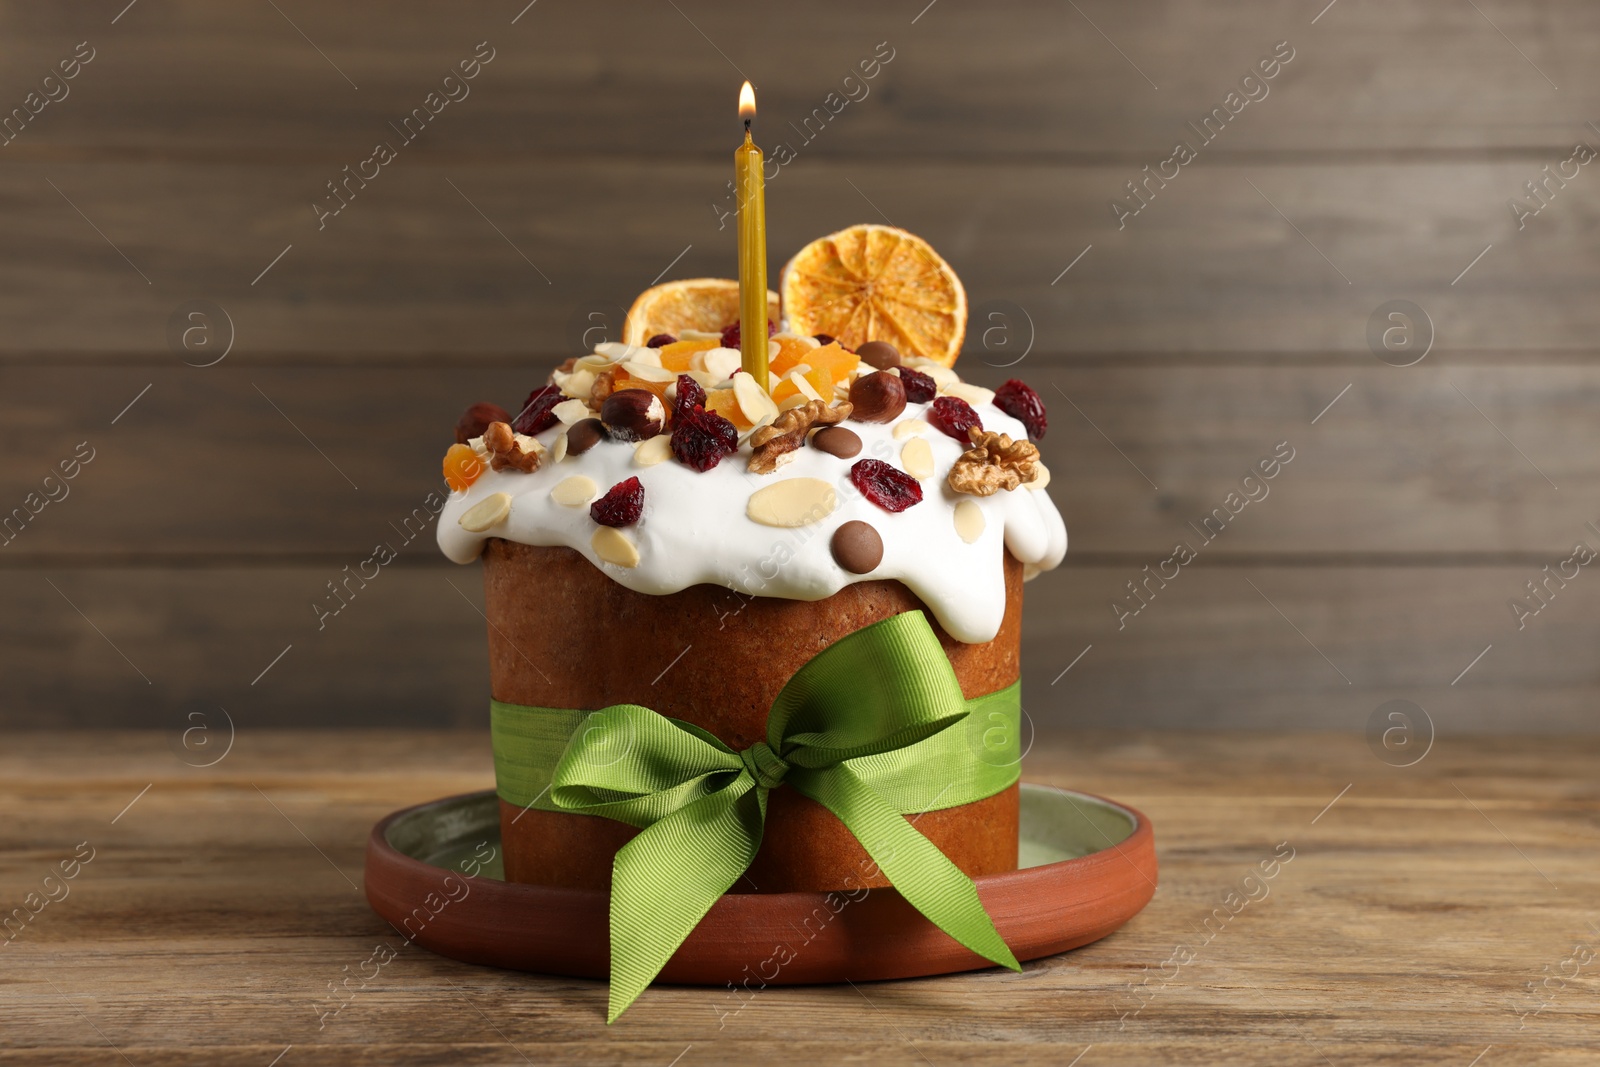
(747, 102)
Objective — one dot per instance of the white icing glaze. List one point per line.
(694, 528)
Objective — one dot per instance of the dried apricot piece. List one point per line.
(462, 467)
(679, 355)
(791, 353)
(818, 378)
(724, 403)
(835, 360)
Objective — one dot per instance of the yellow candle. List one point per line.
(750, 187)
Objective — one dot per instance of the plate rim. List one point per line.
(1040, 911)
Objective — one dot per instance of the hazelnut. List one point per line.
(879, 354)
(476, 419)
(877, 397)
(633, 414)
(498, 437)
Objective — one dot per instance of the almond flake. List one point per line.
(698, 335)
(487, 512)
(906, 427)
(799, 381)
(941, 374)
(751, 432)
(578, 383)
(615, 351)
(969, 521)
(613, 546)
(753, 400)
(653, 451)
(570, 411)
(792, 502)
(1042, 479)
(721, 362)
(558, 451)
(972, 394)
(574, 492)
(916, 456)
(647, 373)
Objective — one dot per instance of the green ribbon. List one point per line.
(858, 729)
(974, 759)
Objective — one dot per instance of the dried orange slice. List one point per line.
(877, 283)
(707, 304)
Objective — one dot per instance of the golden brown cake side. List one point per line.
(563, 634)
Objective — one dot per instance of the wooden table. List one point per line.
(1419, 905)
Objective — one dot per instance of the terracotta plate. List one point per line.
(1087, 866)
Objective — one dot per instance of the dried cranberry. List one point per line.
(920, 388)
(730, 334)
(1018, 400)
(621, 506)
(689, 394)
(954, 416)
(885, 486)
(536, 414)
(701, 438)
(823, 338)
(660, 340)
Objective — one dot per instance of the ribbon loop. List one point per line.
(702, 807)
(764, 765)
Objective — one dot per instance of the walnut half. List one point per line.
(604, 384)
(788, 432)
(994, 462)
(506, 450)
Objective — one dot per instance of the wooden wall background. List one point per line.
(1220, 321)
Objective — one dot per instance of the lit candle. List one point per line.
(750, 187)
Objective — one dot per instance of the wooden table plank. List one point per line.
(1208, 267)
(1021, 80)
(206, 928)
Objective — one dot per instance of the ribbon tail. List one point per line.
(913, 864)
(665, 880)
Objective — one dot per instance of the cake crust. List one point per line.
(717, 659)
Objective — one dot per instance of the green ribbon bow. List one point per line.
(702, 806)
